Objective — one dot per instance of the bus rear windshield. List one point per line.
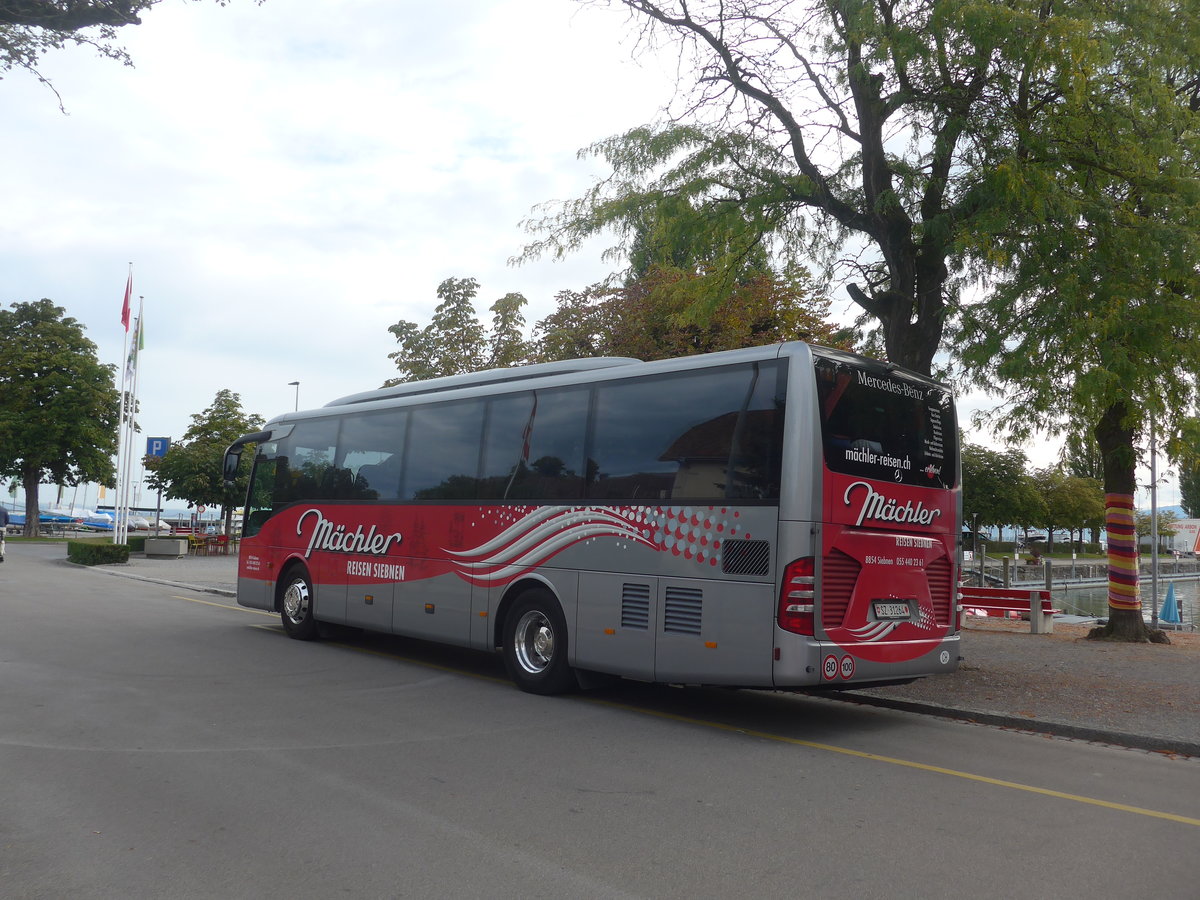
(881, 425)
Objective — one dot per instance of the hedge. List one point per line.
(137, 543)
(96, 554)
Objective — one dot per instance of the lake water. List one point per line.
(1093, 599)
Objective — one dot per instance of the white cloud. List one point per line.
(290, 179)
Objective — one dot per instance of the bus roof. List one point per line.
(487, 376)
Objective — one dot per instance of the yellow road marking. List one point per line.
(907, 763)
(258, 612)
(768, 736)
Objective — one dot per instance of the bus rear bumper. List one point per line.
(809, 662)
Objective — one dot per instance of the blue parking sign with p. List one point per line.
(157, 446)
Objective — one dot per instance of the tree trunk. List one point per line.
(1114, 433)
(33, 520)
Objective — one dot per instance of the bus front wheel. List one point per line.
(535, 645)
(296, 606)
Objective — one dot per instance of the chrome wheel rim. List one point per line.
(534, 642)
(295, 602)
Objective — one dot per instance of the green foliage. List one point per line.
(191, 470)
(1189, 489)
(87, 554)
(506, 342)
(455, 341)
(59, 405)
(812, 128)
(1072, 503)
(1187, 456)
(1166, 523)
(1109, 193)
(997, 489)
(1094, 307)
(136, 543)
(579, 328)
(654, 317)
(1081, 455)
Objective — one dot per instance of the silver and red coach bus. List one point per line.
(777, 517)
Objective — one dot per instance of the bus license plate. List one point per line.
(891, 610)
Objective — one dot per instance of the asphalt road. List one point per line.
(162, 743)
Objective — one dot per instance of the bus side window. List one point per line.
(549, 455)
(443, 451)
(371, 449)
(508, 427)
(756, 461)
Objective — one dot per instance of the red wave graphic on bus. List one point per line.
(494, 545)
(536, 538)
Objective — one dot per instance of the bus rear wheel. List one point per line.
(535, 645)
(296, 606)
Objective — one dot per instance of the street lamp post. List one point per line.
(296, 385)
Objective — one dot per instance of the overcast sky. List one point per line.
(290, 179)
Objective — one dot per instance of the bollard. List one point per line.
(1007, 575)
(1049, 575)
(1039, 622)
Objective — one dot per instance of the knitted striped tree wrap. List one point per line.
(1121, 526)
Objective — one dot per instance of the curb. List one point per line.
(182, 585)
(1151, 743)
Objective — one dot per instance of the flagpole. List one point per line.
(131, 423)
(137, 365)
(118, 538)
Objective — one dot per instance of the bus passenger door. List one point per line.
(614, 629)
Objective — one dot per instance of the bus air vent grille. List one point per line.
(682, 610)
(635, 606)
(839, 575)
(938, 573)
(746, 558)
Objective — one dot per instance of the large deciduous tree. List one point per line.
(1093, 315)
(59, 406)
(192, 468)
(870, 133)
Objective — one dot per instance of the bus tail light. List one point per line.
(798, 596)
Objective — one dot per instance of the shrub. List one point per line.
(96, 554)
(137, 543)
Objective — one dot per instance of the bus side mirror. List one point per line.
(233, 458)
(233, 455)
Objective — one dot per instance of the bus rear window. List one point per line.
(882, 425)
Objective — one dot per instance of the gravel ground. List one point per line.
(1145, 695)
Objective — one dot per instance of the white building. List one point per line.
(1186, 538)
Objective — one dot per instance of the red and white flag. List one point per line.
(125, 305)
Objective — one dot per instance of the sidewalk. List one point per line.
(210, 574)
(1134, 695)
